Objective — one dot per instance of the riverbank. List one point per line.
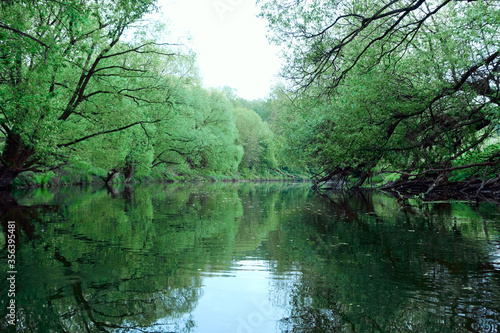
(427, 189)
(430, 189)
(70, 177)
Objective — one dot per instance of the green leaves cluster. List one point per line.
(405, 85)
(89, 86)
(67, 75)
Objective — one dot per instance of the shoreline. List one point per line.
(156, 181)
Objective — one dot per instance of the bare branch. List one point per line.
(121, 68)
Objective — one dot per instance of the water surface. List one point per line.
(249, 258)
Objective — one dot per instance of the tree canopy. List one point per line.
(406, 86)
(66, 75)
(93, 88)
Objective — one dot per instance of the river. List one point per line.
(246, 257)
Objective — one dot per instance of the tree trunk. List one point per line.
(362, 178)
(14, 160)
(7, 176)
(111, 175)
(128, 194)
(128, 172)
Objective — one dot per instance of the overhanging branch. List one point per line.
(460, 167)
(107, 132)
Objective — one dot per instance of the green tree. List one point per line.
(200, 134)
(128, 153)
(404, 85)
(66, 76)
(257, 141)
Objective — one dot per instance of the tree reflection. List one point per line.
(386, 268)
(118, 260)
(133, 258)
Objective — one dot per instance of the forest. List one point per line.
(398, 94)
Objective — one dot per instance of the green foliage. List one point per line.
(375, 87)
(257, 140)
(78, 98)
(31, 179)
(477, 157)
(261, 107)
(199, 135)
(67, 77)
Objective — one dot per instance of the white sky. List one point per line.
(230, 42)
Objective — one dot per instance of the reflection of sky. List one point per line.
(238, 301)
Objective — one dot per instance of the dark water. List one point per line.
(248, 258)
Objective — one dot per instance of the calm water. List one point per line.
(249, 258)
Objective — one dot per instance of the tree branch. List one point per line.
(19, 32)
(138, 48)
(460, 167)
(107, 132)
